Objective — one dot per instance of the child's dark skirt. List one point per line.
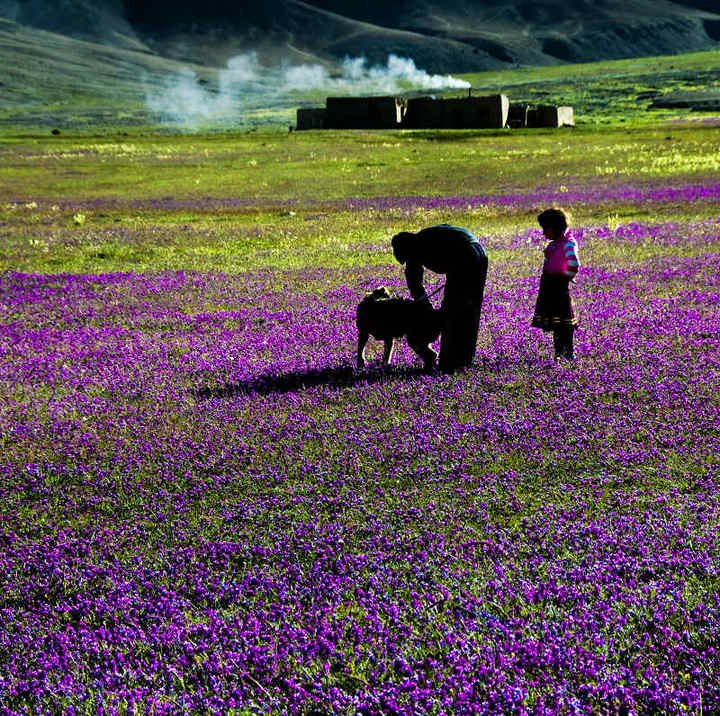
(554, 309)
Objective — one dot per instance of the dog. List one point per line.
(386, 317)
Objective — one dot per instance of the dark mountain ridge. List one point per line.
(441, 36)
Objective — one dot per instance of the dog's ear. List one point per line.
(378, 294)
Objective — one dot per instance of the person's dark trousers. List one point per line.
(563, 342)
(462, 303)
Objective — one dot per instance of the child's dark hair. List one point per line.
(556, 219)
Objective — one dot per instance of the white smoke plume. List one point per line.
(398, 75)
(245, 83)
(182, 99)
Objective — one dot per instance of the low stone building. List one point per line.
(457, 113)
(549, 116)
(311, 118)
(425, 113)
(491, 112)
(518, 116)
(364, 112)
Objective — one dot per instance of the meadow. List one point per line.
(206, 509)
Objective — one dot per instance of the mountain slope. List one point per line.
(440, 35)
(450, 35)
(101, 21)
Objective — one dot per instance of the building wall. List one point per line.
(313, 118)
(364, 112)
(518, 116)
(457, 113)
(548, 116)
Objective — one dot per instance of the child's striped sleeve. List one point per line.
(572, 263)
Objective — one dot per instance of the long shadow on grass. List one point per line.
(335, 378)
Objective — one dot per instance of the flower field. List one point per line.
(205, 508)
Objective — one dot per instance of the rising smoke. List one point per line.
(398, 75)
(246, 83)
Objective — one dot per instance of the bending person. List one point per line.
(459, 254)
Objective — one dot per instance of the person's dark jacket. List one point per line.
(444, 249)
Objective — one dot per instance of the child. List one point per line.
(554, 310)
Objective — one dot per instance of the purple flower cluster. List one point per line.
(623, 238)
(596, 193)
(203, 508)
(582, 192)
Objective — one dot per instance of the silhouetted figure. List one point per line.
(554, 309)
(458, 253)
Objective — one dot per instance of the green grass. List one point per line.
(82, 202)
(327, 165)
(610, 92)
(146, 202)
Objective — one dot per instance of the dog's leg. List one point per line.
(362, 342)
(388, 352)
(428, 355)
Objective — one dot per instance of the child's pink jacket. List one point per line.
(561, 257)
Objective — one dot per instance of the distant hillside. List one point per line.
(79, 64)
(532, 31)
(440, 35)
(102, 21)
